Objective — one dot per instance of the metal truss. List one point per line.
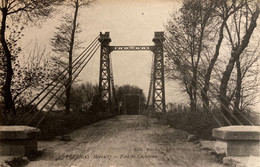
(157, 84)
(104, 73)
(131, 48)
(158, 73)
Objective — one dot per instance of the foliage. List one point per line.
(13, 36)
(129, 89)
(181, 117)
(17, 11)
(29, 10)
(228, 28)
(82, 96)
(58, 123)
(32, 75)
(87, 108)
(190, 36)
(62, 38)
(29, 74)
(121, 91)
(65, 44)
(239, 42)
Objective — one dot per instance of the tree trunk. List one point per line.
(238, 87)
(194, 88)
(236, 52)
(204, 93)
(192, 102)
(8, 100)
(68, 86)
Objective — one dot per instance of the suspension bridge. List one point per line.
(53, 92)
(46, 99)
(136, 131)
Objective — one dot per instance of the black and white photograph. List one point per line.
(129, 83)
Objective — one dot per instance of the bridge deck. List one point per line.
(124, 141)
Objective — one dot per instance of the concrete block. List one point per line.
(18, 140)
(238, 140)
(243, 148)
(17, 150)
(18, 132)
(4, 149)
(237, 133)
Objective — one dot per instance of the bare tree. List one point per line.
(238, 47)
(222, 25)
(63, 41)
(246, 89)
(30, 75)
(17, 9)
(189, 36)
(222, 12)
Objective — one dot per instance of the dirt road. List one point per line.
(124, 141)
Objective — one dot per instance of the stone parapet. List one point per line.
(238, 140)
(18, 140)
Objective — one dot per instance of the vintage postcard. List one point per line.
(129, 83)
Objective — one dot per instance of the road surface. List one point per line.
(124, 141)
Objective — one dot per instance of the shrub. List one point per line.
(198, 123)
(90, 109)
(58, 123)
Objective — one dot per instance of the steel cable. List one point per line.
(61, 79)
(151, 83)
(94, 51)
(60, 87)
(55, 79)
(38, 124)
(230, 112)
(202, 100)
(112, 81)
(213, 93)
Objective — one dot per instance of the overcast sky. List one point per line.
(130, 22)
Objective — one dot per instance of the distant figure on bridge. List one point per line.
(120, 108)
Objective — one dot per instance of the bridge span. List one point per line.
(124, 141)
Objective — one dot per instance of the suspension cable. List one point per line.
(59, 88)
(112, 81)
(209, 99)
(151, 83)
(38, 124)
(213, 93)
(201, 97)
(61, 79)
(221, 95)
(215, 118)
(56, 78)
(96, 46)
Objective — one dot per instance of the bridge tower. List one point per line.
(158, 94)
(157, 85)
(104, 73)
